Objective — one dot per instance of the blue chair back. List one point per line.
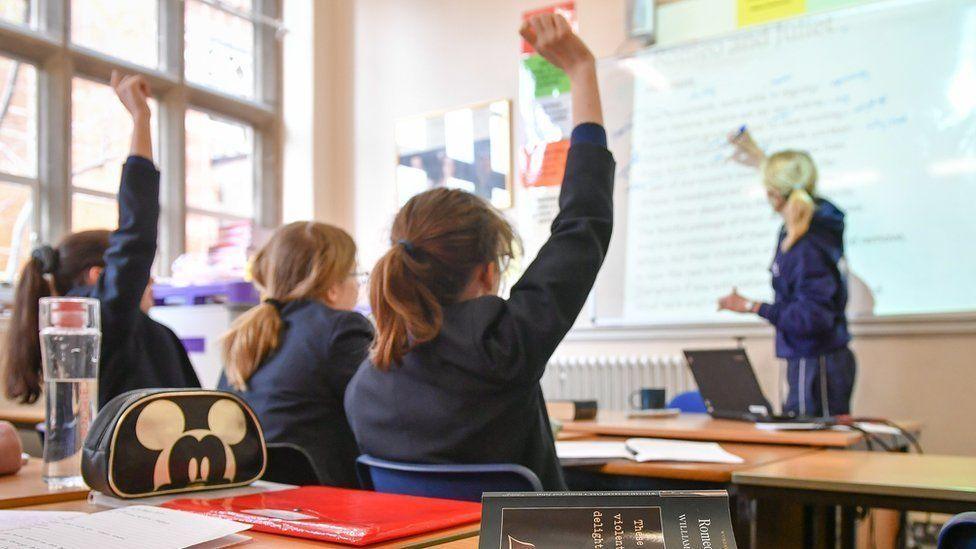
(461, 482)
(959, 532)
(689, 402)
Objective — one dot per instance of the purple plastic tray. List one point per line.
(239, 292)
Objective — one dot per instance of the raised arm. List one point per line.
(132, 247)
(546, 301)
(133, 91)
(554, 39)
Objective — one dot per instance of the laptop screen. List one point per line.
(727, 382)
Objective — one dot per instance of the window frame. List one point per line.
(46, 44)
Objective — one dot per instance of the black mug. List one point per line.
(647, 399)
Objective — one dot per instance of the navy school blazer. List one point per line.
(472, 394)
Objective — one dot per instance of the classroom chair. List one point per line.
(959, 532)
(290, 464)
(462, 482)
(689, 402)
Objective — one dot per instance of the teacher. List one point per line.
(809, 285)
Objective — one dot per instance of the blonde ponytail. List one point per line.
(253, 336)
(302, 260)
(793, 175)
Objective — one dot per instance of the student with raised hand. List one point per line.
(292, 356)
(453, 375)
(808, 280)
(113, 267)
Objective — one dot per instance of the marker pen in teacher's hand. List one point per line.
(741, 132)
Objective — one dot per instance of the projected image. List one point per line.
(467, 148)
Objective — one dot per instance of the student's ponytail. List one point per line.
(50, 271)
(302, 260)
(254, 335)
(22, 349)
(438, 239)
(793, 175)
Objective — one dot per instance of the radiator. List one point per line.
(611, 380)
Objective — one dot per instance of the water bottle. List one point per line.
(70, 341)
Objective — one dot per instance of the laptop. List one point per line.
(729, 387)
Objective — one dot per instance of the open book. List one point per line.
(642, 450)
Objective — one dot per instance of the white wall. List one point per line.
(413, 56)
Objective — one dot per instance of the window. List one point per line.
(18, 12)
(18, 162)
(126, 30)
(215, 115)
(219, 177)
(220, 46)
(100, 129)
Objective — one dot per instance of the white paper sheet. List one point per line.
(136, 526)
(659, 449)
(790, 426)
(19, 519)
(644, 450)
(588, 450)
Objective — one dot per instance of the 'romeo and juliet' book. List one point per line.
(606, 520)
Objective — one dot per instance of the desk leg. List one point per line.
(848, 527)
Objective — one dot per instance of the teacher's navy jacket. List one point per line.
(811, 291)
(472, 394)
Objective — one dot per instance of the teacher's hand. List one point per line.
(747, 151)
(735, 303)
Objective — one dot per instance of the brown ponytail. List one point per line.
(438, 240)
(303, 260)
(67, 266)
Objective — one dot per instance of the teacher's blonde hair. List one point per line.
(793, 175)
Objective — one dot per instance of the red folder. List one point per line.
(351, 517)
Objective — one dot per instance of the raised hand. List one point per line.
(133, 91)
(554, 39)
(551, 36)
(747, 151)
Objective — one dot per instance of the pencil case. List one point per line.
(150, 442)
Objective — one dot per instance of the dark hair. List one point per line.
(438, 239)
(66, 265)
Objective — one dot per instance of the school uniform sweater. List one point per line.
(297, 392)
(136, 352)
(472, 394)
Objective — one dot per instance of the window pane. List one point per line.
(17, 12)
(18, 118)
(202, 232)
(219, 164)
(122, 29)
(219, 49)
(16, 213)
(93, 212)
(100, 133)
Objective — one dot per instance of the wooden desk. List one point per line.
(27, 488)
(703, 427)
(262, 540)
(754, 455)
(467, 543)
(883, 474)
(849, 479)
(22, 415)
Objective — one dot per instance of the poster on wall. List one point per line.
(545, 116)
(466, 148)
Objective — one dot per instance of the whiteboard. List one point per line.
(884, 98)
